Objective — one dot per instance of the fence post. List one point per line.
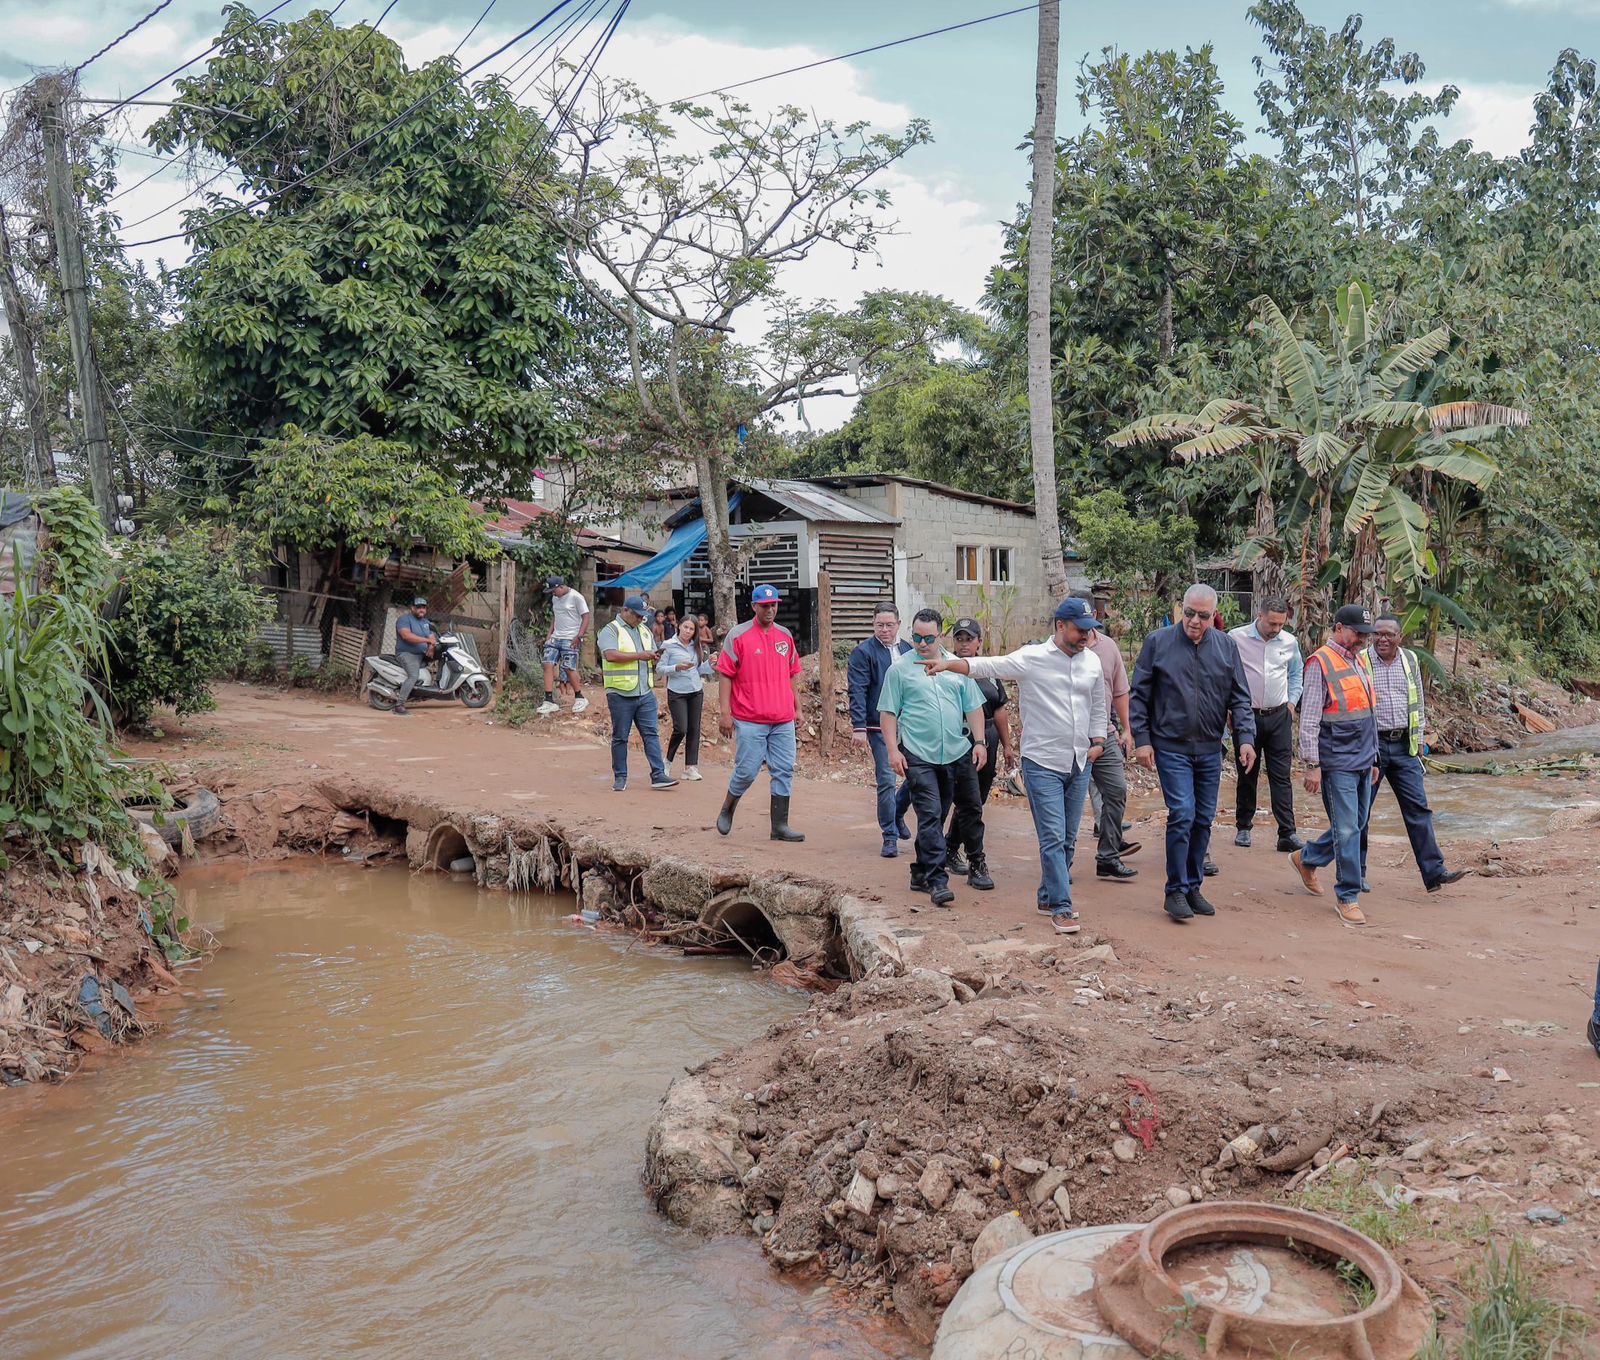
(825, 660)
(502, 664)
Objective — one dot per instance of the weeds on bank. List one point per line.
(519, 699)
(1358, 1204)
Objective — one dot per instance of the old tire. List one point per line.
(384, 703)
(199, 812)
(477, 692)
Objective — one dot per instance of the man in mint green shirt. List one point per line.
(933, 727)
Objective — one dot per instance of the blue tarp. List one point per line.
(677, 550)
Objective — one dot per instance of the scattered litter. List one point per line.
(1500, 1074)
(1544, 1213)
(1144, 1112)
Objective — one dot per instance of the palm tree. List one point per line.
(1041, 243)
(1356, 416)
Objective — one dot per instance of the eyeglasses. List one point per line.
(1196, 613)
(926, 639)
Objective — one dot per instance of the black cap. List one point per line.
(967, 626)
(1356, 616)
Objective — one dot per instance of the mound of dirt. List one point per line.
(893, 1121)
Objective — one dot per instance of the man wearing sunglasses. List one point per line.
(933, 727)
(1187, 681)
(1061, 695)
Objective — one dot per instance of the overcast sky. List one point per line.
(975, 86)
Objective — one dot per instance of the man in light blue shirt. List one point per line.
(1275, 672)
(933, 727)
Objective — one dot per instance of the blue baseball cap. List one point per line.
(1074, 610)
(765, 595)
(636, 603)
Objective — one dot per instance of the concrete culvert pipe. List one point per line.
(446, 846)
(744, 923)
(464, 865)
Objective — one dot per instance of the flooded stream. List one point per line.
(399, 1117)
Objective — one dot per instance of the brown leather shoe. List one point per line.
(1308, 876)
(1350, 913)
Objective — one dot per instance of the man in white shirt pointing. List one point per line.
(1061, 693)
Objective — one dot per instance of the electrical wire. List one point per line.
(126, 33)
(457, 48)
(178, 70)
(237, 157)
(394, 122)
(284, 61)
(860, 52)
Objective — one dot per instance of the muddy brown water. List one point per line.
(400, 1117)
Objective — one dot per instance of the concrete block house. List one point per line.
(877, 535)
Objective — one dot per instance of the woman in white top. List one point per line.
(681, 665)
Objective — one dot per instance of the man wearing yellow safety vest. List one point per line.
(1397, 705)
(627, 653)
(1339, 741)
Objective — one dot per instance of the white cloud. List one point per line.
(1494, 117)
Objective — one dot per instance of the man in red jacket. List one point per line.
(759, 696)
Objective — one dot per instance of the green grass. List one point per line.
(1508, 1316)
(1357, 1204)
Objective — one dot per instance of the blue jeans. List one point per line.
(755, 744)
(1056, 801)
(628, 711)
(892, 803)
(1404, 773)
(1189, 788)
(1347, 796)
(1597, 995)
(563, 655)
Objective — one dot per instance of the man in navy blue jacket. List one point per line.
(1188, 679)
(869, 663)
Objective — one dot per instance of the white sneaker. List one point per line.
(691, 774)
(579, 704)
(547, 708)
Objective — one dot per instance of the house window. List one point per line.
(1000, 564)
(966, 564)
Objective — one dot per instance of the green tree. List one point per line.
(1143, 554)
(188, 613)
(401, 292)
(1353, 144)
(1165, 229)
(1357, 411)
(315, 493)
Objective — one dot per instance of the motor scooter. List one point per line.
(452, 673)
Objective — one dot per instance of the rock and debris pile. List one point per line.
(876, 1136)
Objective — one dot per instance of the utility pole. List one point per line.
(52, 103)
(42, 467)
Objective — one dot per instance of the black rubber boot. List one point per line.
(725, 817)
(781, 830)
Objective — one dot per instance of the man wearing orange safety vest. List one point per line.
(1339, 741)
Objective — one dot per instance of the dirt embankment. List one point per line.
(77, 965)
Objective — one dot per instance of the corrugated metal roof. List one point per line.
(812, 502)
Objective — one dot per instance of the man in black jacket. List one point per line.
(869, 663)
(1185, 683)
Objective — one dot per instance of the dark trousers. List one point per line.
(1109, 776)
(1274, 749)
(629, 711)
(934, 789)
(967, 796)
(1189, 787)
(685, 710)
(1403, 771)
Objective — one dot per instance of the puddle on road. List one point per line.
(402, 1118)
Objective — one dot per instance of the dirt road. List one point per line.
(1521, 945)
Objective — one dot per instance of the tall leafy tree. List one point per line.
(400, 291)
(685, 241)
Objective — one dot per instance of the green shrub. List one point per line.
(190, 615)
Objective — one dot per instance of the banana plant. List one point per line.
(1355, 411)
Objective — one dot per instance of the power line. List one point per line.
(457, 48)
(178, 70)
(860, 52)
(126, 33)
(236, 157)
(394, 122)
